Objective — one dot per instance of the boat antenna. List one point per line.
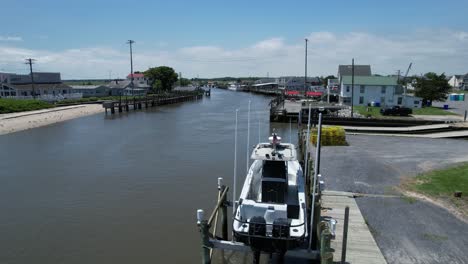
(235, 170)
(258, 117)
(248, 140)
(307, 144)
(317, 160)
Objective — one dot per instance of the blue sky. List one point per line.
(86, 39)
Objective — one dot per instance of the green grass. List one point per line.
(441, 184)
(373, 111)
(13, 105)
(435, 238)
(431, 110)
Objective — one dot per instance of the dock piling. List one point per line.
(326, 256)
(204, 231)
(345, 235)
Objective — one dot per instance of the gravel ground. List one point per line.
(406, 230)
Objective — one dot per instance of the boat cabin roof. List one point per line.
(283, 152)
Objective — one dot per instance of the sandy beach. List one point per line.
(10, 123)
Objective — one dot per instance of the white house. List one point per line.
(92, 90)
(381, 90)
(459, 82)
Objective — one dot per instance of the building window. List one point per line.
(382, 100)
(384, 89)
(347, 89)
(400, 100)
(416, 102)
(362, 89)
(361, 99)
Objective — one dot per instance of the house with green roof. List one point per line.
(375, 90)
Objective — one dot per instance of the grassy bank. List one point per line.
(13, 106)
(375, 111)
(441, 185)
(431, 111)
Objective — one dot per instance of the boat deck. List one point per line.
(361, 246)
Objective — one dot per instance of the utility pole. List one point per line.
(130, 42)
(305, 74)
(30, 62)
(352, 87)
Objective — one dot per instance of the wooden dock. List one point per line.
(136, 103)
(361, 246)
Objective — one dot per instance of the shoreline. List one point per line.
(14, 122)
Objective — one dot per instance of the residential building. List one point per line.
(383, 90)
(359, 70)
(47, 85)
(141, 85)
(457, 81)
(92, 90)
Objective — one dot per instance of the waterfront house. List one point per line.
(141, 85)
(92, 90)
(47, 86)
(378, 90)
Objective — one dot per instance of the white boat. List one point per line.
(236, 87)
(271, 213)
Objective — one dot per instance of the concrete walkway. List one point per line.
(361, 246)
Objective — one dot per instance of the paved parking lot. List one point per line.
(406, 231)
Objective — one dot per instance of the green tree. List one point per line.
(163, 77)
(325, 80)
(184, 81)
(432, 87)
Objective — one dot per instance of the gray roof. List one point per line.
(370, 80)
(84, 87)
(359, 70)
(126, 83)
(39, 86)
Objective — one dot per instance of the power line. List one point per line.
(30, 62)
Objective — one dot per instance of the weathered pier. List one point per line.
(136, 103)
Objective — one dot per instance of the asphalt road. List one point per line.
(406, 230)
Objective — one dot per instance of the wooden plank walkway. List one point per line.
(361, 247)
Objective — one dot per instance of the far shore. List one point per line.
(14, 122)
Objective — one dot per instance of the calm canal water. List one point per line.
(122, 189)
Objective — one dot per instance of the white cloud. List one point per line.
(429, 50)
(10, 38)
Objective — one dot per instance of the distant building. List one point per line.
(383, 90)
(92, 90)
(296, 83)
(47, 86)
(141, 85)
(459, 82)
(359, 70)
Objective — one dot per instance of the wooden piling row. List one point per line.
(138, 103)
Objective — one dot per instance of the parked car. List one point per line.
(396, 110)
